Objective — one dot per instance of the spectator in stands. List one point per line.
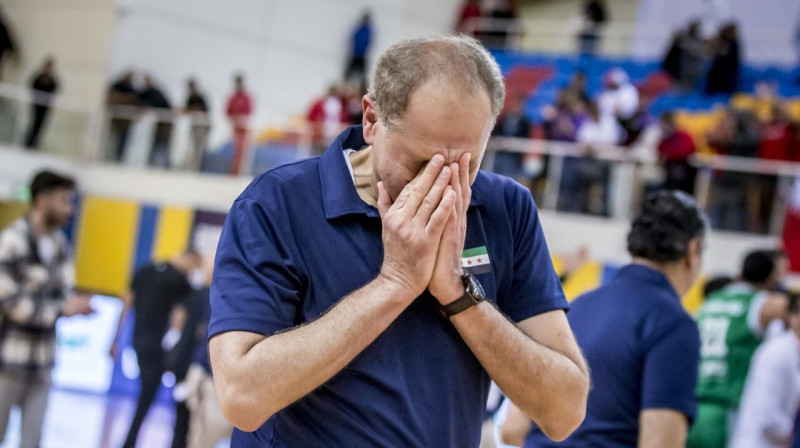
(771, 397)
(693, 50)
(156, 290)
(512, 123)
(44, 85)
(356, 68)
(594, 16)
(585, 179)
(723, 77)
(502, 25)
(635, 125)
(674, 150)
(642, 345)
(777, 136)
(578, 86)
(327, 116)
(736, 135)
(153, 97)
(121, 98)
(7, 45)
(620, 98)
(562, 120)
(197, 108)
(240, 106)
(468, 17)
(353, 93)
(36, 282)
(732, 323)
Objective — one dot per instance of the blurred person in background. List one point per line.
(587, 176)
(771, 397)
(7, 44)
(641, 344)
(468, 17)
(356, 68)
(156, 291)
(503, 24)
(578, 85)
(620, 98)
(723, 76)
(153, 97)
(239, 109)
(733, 205)
(326, 117)
(512, 123)
(593, 17)
(692, 57)
(44, 85)
(193, 328)
(36, 281)
(207, 425)
(197, 108)
(121, 98)
(674, 151)
(732, 324)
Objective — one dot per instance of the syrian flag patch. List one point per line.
(476, 261)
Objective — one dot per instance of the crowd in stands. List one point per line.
(127, 101)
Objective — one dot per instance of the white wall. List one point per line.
(767, 27)
(77, 32)
(289, 51)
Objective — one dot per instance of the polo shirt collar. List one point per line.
(642, 273)
(339, 195)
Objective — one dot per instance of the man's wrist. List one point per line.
(394, 289)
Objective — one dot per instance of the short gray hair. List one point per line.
(407, 65)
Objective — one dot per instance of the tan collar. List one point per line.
(363, 176)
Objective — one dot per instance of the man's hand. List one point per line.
(446, 284)
(413, 225)
(78, 304)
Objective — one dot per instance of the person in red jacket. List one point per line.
(674, 150)
(468, 17)
(240, 106)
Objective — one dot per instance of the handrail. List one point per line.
(642, 154)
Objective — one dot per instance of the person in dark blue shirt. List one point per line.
(361, 40)
(365, 297)
(642, 347)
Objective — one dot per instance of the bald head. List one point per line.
(459, 62)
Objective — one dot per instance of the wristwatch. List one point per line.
(473, 295)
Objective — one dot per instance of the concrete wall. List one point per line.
(78, 33)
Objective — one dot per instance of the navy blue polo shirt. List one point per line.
(299, 239)
(643, 350)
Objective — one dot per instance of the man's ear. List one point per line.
(370, 119)
(695, 252)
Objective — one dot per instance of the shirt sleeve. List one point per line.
(256, 285)
(535, 286)
(672, 355)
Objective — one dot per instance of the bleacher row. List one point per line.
(539, 78)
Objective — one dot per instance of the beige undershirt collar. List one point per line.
(363, 175)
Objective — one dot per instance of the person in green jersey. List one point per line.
(732, 323)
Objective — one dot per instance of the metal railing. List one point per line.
(636, 169)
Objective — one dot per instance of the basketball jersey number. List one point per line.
(714, 335)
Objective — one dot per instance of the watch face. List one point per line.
(474, 287)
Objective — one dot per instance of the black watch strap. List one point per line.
(466, 301)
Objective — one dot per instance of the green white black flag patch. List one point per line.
(476, 261)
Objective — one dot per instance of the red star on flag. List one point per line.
(469, 261)
(479, 260)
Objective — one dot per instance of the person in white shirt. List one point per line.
(620, 99)
(771, 397)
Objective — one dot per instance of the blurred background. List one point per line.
(164, 111)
